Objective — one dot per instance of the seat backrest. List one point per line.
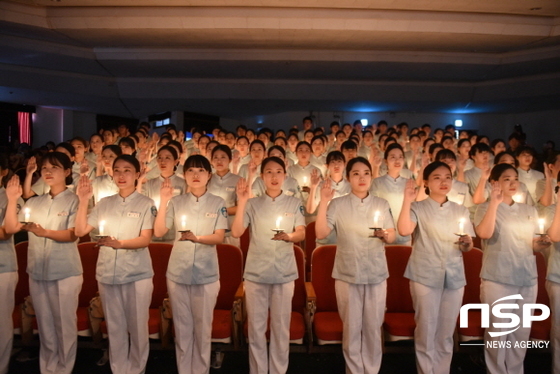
(244, 241)
(299, 299)
(398, 289)
(159, 252)
(322, 263)
(230, 262)
(542, 295)
(22, 287)
(310, 244)
(473, 264)
(88, 255)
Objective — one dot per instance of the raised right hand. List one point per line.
(496, 194)
(243, 190)
(13, 189)
(85, 189)
(31, 165)
(166, 191)
(410, 190)
(327, 193)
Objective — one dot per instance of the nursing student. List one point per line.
(193, 273)
(53, 261)
(270, 269)
(104, 185)
(124, 267)
(167, 160)
(223, 184)
(290, 186)
(552, 217)
(435, 268)
(391, 185)
(8, 274)
(360, 267)
(509, 233)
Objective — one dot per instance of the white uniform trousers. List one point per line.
(126, 307)
(506, 360)
(436, 312)
(553, 290)
(362, 309)
(56, 304)
(8, 283)
(233, 241)
(193, 311)
(261, 297)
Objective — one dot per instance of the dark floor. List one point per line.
(163, 362)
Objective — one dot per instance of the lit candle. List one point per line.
(102, 228)
(183, 223)
(461, 226)
(278, 221)
(541, 225)
(518, 198)
(26, 215)
(304, 181)
(376, 220)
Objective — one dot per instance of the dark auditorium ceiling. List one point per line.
(239, 58)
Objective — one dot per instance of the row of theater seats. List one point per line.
(315, 321)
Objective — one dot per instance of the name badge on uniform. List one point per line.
(288, 214)
(230, 189)
(211, 215)
(289, 193)
(133, 215)
(176, 191)
(63, 214)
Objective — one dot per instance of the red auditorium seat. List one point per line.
(310, 244)
(473, 264)
(88, 255)
(399, 321)
(540, 330)
(157, 326)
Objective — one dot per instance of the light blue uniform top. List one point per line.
(271, 261)
(8, 261)
(225, 187)
(392, 190)
(47, 259)
(195, 263)
(436, 260)
(103, 186)
(124, 219)
(359, 258)
(152, 189)
(508, 254)
(553, 271)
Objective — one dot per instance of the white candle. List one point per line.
(376, 220)
(461, 226)
(26, 215)
(278, 221)
(304, 181)
(541, 225)
(102, 228)
(183, 223)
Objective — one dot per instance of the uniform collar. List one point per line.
(63, 193)
(226, 175)
(435, 204)
(275, 199)
(356, 199)
(128, 198)
(199, 199)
